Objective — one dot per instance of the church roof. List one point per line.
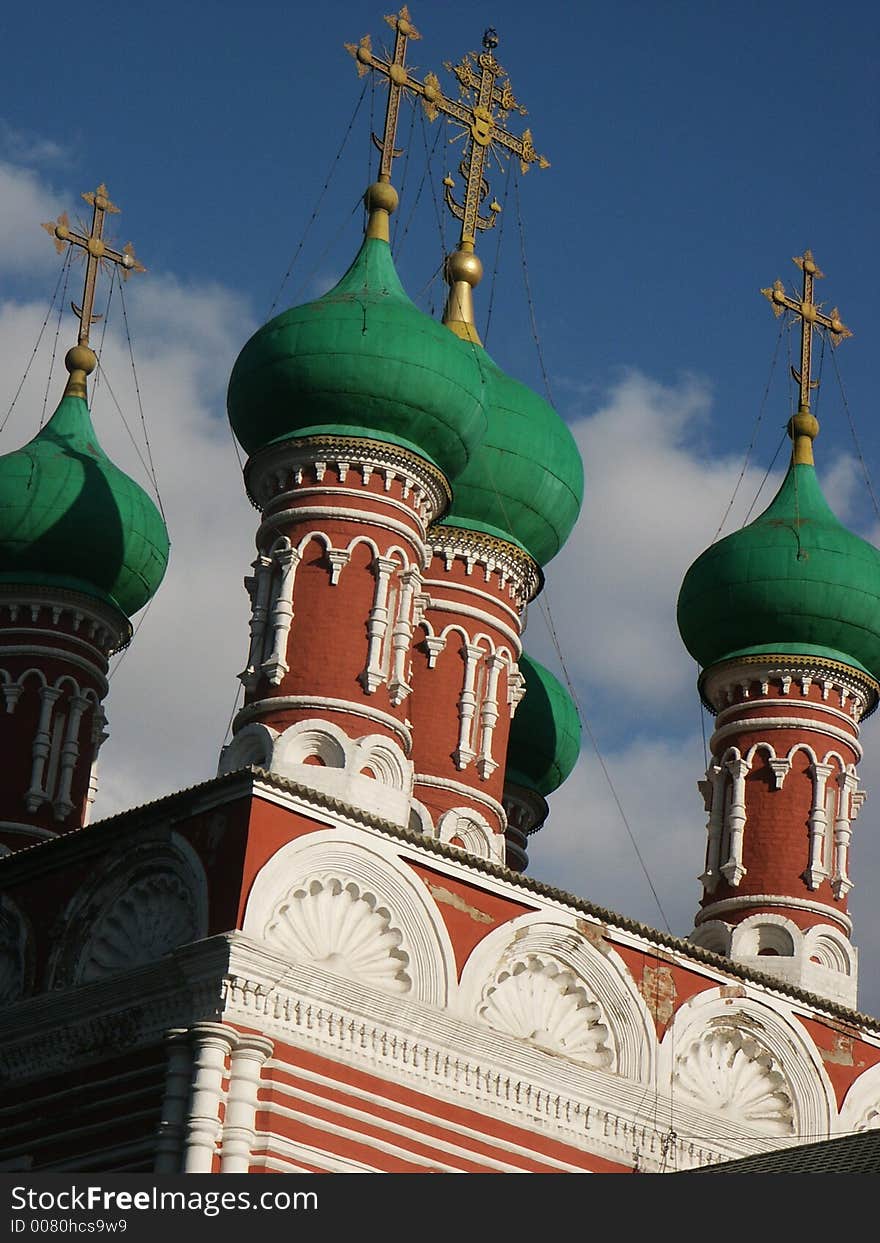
(793, 582)
(362, 360)
(70, 518)
(848, 1154)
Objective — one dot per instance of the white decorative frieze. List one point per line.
(330, 922)
(152, 916)
(536, 999)
(728, 1073)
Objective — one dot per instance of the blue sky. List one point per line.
(694, 147)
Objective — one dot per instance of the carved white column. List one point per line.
(516, 689)
(177, 1089)
(713, 794)
(736, 821)
(11, 694)
(49, 696)
(245, 1067)
(258, 586)
(486, 765)
(98, 737)
(339, 559)
(467, 705)
(377, 624)
(211, 1043)
(275, 666)
(62, 804)
(401, 635)
(815, 872)
(848, 807)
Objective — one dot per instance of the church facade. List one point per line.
(330, 957)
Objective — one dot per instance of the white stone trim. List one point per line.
(486, 619)
(474, 830)
(373, 675)
(27, 649)
(727, 714)
(860, 1110)
(752, 724)
(322, 702)
(362, 517)
(769, 899)
(376, 869)
(514, 616)
(782, 1036)
(417, 1115)
(26, 830)
(603, 972)
(459, 788)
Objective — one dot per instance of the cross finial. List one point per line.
(804, 427)
(485, 101)
(81, 360)
(381, 197)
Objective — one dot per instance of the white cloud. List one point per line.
(652, 504)
(25, 202)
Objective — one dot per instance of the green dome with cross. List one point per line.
(70, 518)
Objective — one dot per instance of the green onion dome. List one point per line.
(70, 518)
(793, 582)
(525, 482)
(362, 360)
(545, 734)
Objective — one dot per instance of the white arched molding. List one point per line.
(371, 773)
(252, 745)
(150, 898)
(745, 1069)
(473, 831)
(713, 935)
(821, 959)
(546, 982)
(861, 1105)
(766, 934)
(313, 889)
(16, 953)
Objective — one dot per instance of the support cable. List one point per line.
(55, 342)
(497, 259)
(755, 429)
(852, 428)
(137, 389)
(403, 176)
(61, 273)
(525, 270)
(317, 209)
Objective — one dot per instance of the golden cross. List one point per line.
(398, 80)
(484, 105)
(98, 252)
(810, 315)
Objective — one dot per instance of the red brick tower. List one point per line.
(783, 617)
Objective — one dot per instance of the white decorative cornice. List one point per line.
(278, 469)
(317, 703)
(106, 629)
(716, 909)
(761, 723)
(516, 570)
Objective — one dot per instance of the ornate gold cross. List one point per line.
(810, 315)
(486, 100)
(398, 80)
(98, 252)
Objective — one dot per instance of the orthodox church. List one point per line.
(331, 956)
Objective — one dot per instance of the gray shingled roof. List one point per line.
(850, 1154)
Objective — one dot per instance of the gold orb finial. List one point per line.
(380, 200)
(80, 362)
